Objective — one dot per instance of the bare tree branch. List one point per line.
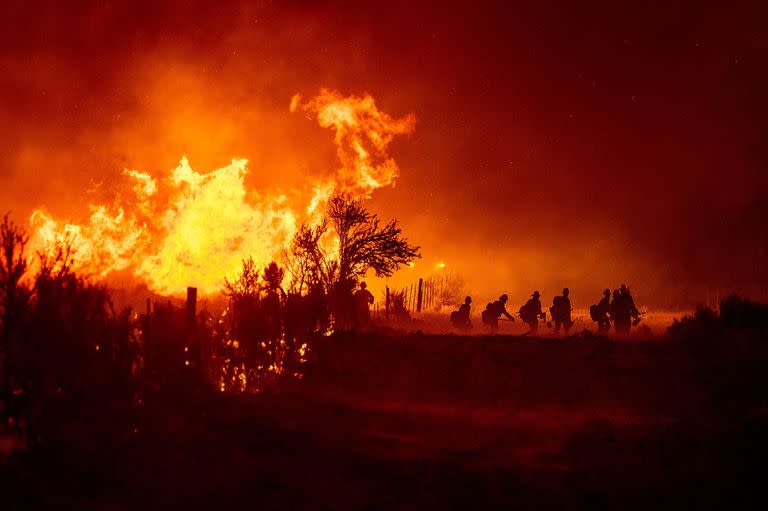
(13, 262)
(363, 244)
(245, 285)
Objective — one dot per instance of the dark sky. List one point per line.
(561, 143)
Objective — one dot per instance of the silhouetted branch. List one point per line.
(57, 259)
(245, 285)
(13, 262)
(363, 244)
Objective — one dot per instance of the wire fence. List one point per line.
(416, 298)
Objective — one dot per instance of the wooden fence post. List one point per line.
(421, 290)
(406, 299)
(386, 306)
(191, 308)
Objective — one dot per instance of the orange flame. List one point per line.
(194, 229)
(363, 134)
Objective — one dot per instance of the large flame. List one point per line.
(363, 134)
(189, 228)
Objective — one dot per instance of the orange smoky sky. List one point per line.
(579, 144)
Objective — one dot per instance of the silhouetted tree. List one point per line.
(273, 278)
(272, 303)
(363, 244)
(244, 293)
(14, 296)
(13, 261)
(308, 262)
(251, 347)
(56, 259)
(449, 290)
(66, 348)
(246, 285)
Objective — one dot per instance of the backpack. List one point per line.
(594, 313)
(525, 312)
(485, 316)
(557, 307)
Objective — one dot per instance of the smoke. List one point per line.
(191, 228)
(557, 146)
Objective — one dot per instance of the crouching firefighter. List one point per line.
(495, 310)
(600, 313)
(531, 312)
(460, 318)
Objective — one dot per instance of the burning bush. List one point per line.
(256, 342)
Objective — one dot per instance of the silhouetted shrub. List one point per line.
(263, 334)
(702, 323)
(737, 312)
(643, 332)
(77, 352)
(399, 308)
(65, 349)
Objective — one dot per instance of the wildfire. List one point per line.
(363, 134)
(190, 228)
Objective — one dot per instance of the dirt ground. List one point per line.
(434, 422)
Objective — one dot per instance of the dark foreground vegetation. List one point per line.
(170, 409)
(414, 422)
